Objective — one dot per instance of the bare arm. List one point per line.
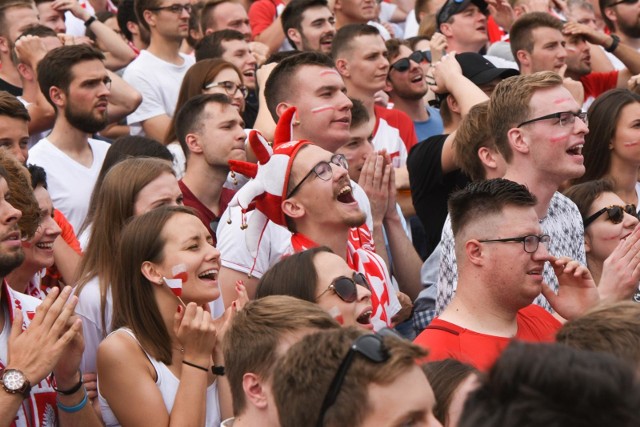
(272, 36)
(123, 100)
(156, 127)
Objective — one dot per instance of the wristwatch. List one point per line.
(15, 382)
(614, 43)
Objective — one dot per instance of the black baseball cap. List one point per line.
(453, 7)
(480, 70)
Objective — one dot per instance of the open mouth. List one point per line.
(45, 245)
(211, 274)
(326, 40)
(419, 78)
(249, 73)
(345, 195)
(576, 150)
(12, 236)
(365, 317)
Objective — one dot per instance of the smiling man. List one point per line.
(309, 25)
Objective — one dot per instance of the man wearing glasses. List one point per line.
(501, 252)
(158, 71)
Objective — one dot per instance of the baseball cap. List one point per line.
(481, 71)
(453, 7)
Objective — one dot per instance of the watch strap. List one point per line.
(614, 45)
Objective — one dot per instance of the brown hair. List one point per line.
(583, 195)
(200, 74)
(141, 6)
(445, 376)
(207, 20)
(521, 32)
(134, 304)
(393, 47)
(510, 104)
(473, 134)
(359, 113)
(22, 197)
(255, 333)
(611, 328)
(114, 206)
(10, 106)
(306, 371)
(345, 36)
(8, 4)
(427, 25)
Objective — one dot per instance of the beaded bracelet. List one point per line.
(75, 408)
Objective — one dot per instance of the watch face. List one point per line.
(13, 379)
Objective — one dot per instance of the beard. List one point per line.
(631, 30)
(9, 261)
(85, 121)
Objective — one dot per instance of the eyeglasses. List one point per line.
(629, 2)
(564, 118)
(174, 8)
(530, 242)
(369, 346)
(229, 87)
(323, 170)
(615, 213)
(346, 288)
(402, 65)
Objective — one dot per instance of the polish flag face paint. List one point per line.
(179, 277)
(337, 315)
(322, 108)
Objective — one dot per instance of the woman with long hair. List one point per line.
(156, 367)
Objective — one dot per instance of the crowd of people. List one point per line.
(319, 213)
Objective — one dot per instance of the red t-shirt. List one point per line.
(208, 218)
(262, 13)
(445, 340)
(595, 84)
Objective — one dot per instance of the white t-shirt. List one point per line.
(159, 83)
(70, 183)
(388, 138)
(75, 26)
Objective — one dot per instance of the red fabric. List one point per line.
(495, 32)
(204, 213)
(262, 13)
(399, 120)
(595, 84)
(445, 340)
(53, 277)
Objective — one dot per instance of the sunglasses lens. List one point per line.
(416, 57)
(616, 214)
(426, 54)
(631, 210)
(372, 347)
(346, 289)
(401, 65)
(361, 280)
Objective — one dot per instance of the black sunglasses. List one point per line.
(629, 2)
(402, 65)
(371, 347)
(615, 214)
(346, 288)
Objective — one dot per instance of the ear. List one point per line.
(343, 67)
(453, 104)
(282, 107)
(611, 14)
(5, 46)
(151, 272)
(292, 208)
(133, 28)
(57, 96)
(524, 58)
(445, 28)
(295, 36)
(149, 17)
(26, 72)
(193, 143)
(587, 243)
(337, 5)
(487, 158)
(473, 250)
(517, 141)
(254, 390)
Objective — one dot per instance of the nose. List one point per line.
(51, 227)
(344, 103)
(184, 12)
(542, 253)
(562, 52)
(9, 213)
(213, 254)
(364, 294)
(580, 126)
(630, 221)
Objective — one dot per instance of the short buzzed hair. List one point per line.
(210, 46)
(11, 106)
(521, 32)
(292, 14)
(344, 37)
(189, 119)
(8, 4)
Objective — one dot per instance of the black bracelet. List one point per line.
(614, 44)
(89, 21)
(217, 370)
(72, 390)
(193, 365)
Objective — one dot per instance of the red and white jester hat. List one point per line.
(268, 188)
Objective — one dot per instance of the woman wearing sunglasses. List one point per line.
(320, 276)
(607, 221)
(612, 146)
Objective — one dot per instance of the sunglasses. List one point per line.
(346, 288)
(371, 347)
(615, 214)
(402, 65)
(629, 2)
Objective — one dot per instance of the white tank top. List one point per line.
(168, 385)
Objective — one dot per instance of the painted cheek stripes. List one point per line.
(322, 108)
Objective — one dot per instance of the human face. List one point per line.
(162, 191)
(626, 139)
(458, 397)
(330, 204)
(231, 16)
(49, 17)
(626, 18)
(238, 53)
(14, 136)
(87, 99)
(228, 75)
(324, 110)
(168, 24)
(555, 150)
(359, 147)
(583, 16)
(367, 67)
(548, 52)
(422, 46)
(222, 137)
(409, 84)
(410, 402)
(188, 242)
(317, 28)
(39, 249)
(602, 235)
(357, 11)
(11, 254)
(578, 55)
(18, 19)
(515, 284)
(468, 29)
(358, 313)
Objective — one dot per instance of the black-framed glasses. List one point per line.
(615, 214)
(564, 118)
(402, 65)
(371, 347)
(529, 242)
(230, 88)
(346, 288)
(629, 2)
(174, 8)
(323, 170)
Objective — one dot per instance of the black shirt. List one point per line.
(8, 87)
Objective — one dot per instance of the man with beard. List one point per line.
(309, 25)
(622, 18)
(75, 81)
